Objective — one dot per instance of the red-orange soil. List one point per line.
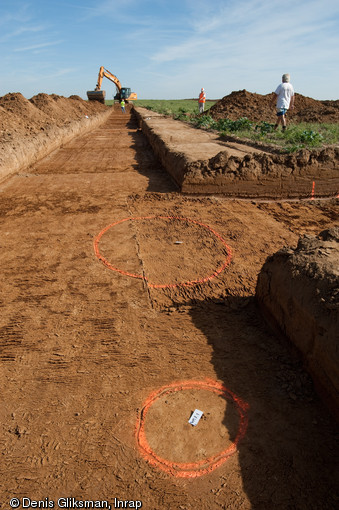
(30, 129)
(299, 290)
(258, 107)
(203, 162)
(82, 347)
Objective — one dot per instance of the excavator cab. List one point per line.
(125, 93)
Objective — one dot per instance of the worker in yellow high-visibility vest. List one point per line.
(202, 99)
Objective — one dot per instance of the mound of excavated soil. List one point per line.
(26, 116)
(299, 290)
(29, 129)
(61, 109)
(20, 116)
(257, 107)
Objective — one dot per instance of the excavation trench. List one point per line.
(83, 347)
(203, 162)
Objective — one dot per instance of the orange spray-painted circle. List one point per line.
(205, 279)
(202, 467)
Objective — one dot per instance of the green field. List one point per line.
(296, 137)
(170, 107)
(173, 107)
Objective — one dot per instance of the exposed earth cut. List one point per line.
(299, 290)
(31, 129)
(114, 287)
(203, 162)
(198, 161)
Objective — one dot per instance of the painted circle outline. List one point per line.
(221, 268)
(199, 468)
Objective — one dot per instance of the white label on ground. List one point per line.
(194, 419)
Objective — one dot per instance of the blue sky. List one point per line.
(169, 49)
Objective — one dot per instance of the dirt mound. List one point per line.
(21, 116)
(257, 107)
(61, 110)
(29, 128)
(298, 289)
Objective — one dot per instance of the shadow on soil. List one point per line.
(147, 163)
(287, 456)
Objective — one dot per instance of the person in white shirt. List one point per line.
(284, 100)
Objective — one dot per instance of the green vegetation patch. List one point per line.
(180, 109)
(296, 136)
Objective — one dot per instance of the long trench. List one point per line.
(83, 346)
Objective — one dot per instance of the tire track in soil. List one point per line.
(82, 347)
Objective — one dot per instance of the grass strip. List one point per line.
(296, 137)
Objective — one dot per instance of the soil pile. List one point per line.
(62, 110)
(19, 115)
(298, 289)
(30, 128)
(257, 107)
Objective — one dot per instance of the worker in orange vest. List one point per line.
(202, 99)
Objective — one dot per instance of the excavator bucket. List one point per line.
(96, 95)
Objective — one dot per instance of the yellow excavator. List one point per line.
(99, 95)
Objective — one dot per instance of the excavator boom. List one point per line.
(99, 95)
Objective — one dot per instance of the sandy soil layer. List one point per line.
(203, 162)
(83, 345)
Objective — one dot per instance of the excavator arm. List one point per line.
(107, 74)
(99, 95)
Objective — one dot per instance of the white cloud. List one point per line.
(115, 10)
(248, 41)
(186, 50)
(20, 31)
(180, 45)
(37, 46)
(249, 28)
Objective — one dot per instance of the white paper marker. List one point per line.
(194, 419)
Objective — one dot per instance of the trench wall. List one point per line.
(27, 151)
(297, 292)
(237, 169)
